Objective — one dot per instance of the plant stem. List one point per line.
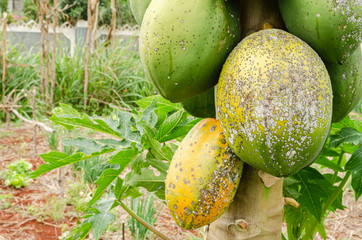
(339, 164)
(309, 234)
(143, 222)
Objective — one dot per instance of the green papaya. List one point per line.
(274, 102)
(138, 8)
(332, 27)
(202, 106)
(346, 84)
(183, 45)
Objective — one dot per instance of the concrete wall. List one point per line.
(27, 36)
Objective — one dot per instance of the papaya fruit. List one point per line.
(332, 27)
(346, 84)
(138, 8)
(202, 106)
(183, 45)
(274, 102)
(203, 176)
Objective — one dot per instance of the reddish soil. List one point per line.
(17, 221)
(25, 218)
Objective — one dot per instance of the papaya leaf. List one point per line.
(149, 116)
(313, 189)
(355, 166)
(70, 122)
(180, 131)
(161, 166)
(80, 231)
(322, 160)
(170, 123)
(66, 110)
(84, 145)
(157, 150)
(162, 103)
(57, 159)
(100, 222)
(123, 191)
(348, 135)
(126, 125)
(329, 152)
(147, 179)
(346, 122)
(122, 158)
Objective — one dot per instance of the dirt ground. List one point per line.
(31, 214)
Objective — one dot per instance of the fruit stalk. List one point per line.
(256, 15)
(256, 212)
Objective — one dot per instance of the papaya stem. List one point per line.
(143, 222)
(309, 234)
(339, 164)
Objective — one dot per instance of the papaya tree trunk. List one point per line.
(256, 212)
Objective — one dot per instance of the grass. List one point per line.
(115, 77)
(146, 208)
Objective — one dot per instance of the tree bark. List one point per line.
(53, 75)
(86, 64)
(47, 51)
(42, 45)
(4, 63)
(256, 212)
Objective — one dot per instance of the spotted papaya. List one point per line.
(346, 81)
(183, 45)
(203, 176)
(274, 102)
(332, 27)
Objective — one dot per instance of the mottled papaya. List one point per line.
(274, 102)
(138, 8)
(203, 176)
(332, 27)
(202, 106)
(346, 81)
(183, 44)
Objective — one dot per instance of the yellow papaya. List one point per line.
(203, 176)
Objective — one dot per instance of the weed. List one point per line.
(17, 174)
(146, 208)
(5, 200)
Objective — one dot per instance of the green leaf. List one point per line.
(70, 122)
(149, 116)
(355, 166)
(161, 166)
(80, 231)
(346, 122)
(171, 123)
(162, 103)
(348, 135)
(313, 188)
(322, 160)
(355, 162)
(56, 160)
(65, 110)
(126, 125)
(147, 179)
(157, 150)
(180, 131)
(122, 158)
(84, 145)
(100, 222)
